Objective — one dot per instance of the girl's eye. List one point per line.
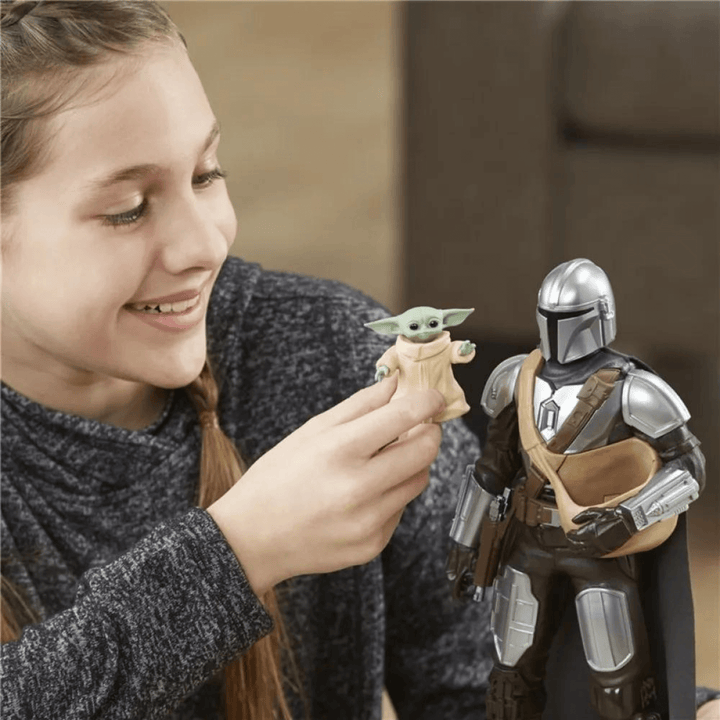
(209, 177)
(131, 216)
(126, 218)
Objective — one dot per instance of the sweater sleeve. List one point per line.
(438, 653)
(143, 633)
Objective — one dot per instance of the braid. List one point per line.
(220, 468)
(216, 479)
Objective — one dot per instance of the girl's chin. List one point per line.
(179, 378)
(173, 372)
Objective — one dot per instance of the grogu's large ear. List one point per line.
(455, 316)
(386, 326)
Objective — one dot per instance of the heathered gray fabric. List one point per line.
(141, 598)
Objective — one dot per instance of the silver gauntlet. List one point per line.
(668, 493)
(471, 508)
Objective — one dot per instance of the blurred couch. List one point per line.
(539, 132)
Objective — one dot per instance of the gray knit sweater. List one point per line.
(141, 599)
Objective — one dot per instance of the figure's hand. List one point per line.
(381, 373)
(460, 569)
(602, 531)
(330, 495)
(466, 348)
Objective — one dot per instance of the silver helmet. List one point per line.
(575, 312)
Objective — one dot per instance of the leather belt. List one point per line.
(534, 512)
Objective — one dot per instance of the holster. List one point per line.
(492, 533)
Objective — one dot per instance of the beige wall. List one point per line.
(307, 98)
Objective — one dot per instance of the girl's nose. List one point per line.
(196, 234)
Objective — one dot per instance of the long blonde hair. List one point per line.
(40, 42)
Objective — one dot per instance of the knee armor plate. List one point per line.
(514, 615)
(605, 628)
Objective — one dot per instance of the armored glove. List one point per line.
(602, 531)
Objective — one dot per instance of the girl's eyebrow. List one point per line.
(139, 172)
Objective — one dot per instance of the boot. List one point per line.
(510, 697)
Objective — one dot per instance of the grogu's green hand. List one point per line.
(467, 347)
(381, 372)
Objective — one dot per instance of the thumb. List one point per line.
(587, 516)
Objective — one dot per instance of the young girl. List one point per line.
(122, 598)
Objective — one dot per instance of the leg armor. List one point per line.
(604, 619)
(614, 639)
(514, 615)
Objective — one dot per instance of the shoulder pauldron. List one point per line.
(651, 405)
(500, 387)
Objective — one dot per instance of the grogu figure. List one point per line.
(423, 354)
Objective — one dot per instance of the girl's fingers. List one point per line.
(397, 497)
(405, 458)
(368, 433)
(360, 403)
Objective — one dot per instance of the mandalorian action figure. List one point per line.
(587, 464)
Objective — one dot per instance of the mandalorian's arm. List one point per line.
(500, 459)
(493, 472)
(656, 414)
(678, 482)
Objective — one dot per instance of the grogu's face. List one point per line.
(424, 326)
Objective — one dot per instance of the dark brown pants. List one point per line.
(557, 576)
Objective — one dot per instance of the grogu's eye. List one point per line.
(413, 326)
(433, 323)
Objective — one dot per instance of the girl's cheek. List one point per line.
(227, 219)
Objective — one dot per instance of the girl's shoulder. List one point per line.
(269, 312)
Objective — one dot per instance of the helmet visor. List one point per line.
(557, 333)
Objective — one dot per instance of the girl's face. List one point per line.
(129, 210)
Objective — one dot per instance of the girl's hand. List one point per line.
(331, 494)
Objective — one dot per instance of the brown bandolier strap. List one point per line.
(592, 395)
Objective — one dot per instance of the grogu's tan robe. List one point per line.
(428, 365)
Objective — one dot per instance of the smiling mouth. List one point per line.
(174, 308)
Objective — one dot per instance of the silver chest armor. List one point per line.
(553, 406)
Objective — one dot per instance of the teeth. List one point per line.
(176, 307)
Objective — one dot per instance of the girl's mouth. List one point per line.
(180, 315)
(175, 308)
